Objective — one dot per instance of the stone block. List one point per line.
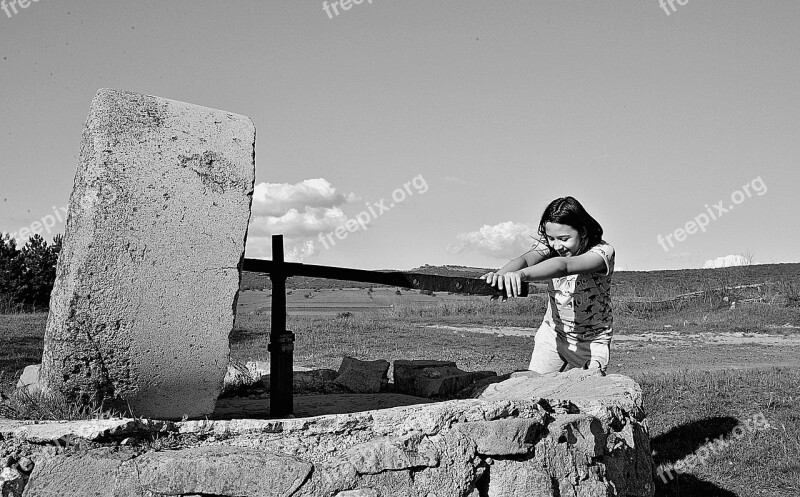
(433, 379)
(221, 470)
(148, 275)
(504, 437)
(30, 377)
(405, 371)
(508, 478)
(363, 376)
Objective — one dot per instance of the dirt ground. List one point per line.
(670, 350)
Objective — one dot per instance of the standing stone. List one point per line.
(148, 275)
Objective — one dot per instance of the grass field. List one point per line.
(704, 367)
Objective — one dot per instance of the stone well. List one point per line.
(564, 434)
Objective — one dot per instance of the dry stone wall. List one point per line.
(586, 438)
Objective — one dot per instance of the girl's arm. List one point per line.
(555, 267)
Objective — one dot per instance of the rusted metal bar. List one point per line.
(281, 341)
(418, 281)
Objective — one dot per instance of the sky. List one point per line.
(436, 132)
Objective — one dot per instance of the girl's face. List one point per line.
(563, 238)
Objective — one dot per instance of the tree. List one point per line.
(39, 271)
(10, 269)
(27, 274)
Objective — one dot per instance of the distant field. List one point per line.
(625, 282)
(331, 302)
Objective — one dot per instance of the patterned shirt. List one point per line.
(579, 305)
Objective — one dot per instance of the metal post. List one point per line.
(281, 344)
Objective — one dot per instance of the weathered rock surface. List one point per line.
(433, 379)
(221, 470)
(210, 470)
(594, 443)
(96, 472)
(50, 432)
(363, 376)
(148, 275)
(245, 383)
(30, 376)
(12, 483)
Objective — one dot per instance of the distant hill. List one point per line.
(625, 282)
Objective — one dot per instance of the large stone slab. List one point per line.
(147, 279)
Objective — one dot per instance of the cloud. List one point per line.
(295, 249)
(299, 212)
(277, 199)
(503, 240)
(726, 261)
(301, 251)
(296, 224)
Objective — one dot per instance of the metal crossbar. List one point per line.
(281, 345)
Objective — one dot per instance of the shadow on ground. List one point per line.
(681, 442)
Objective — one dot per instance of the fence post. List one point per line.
(281, 344)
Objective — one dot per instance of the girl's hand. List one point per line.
(490, 277)
(511, 281)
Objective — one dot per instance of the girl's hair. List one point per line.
(567, 210)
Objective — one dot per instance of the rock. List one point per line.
(363, 376)
(221, 470)
(25, 465)
(148, 275)
(98, 472)
(361, 492)
(587, 389)
(258, 369)
(305, 381)
(316, 381)
(237, 377)
(12, 483)
(434, 379)
(62, 432)
(458, 471)
(597, 418)
(30, 377)
(406, 370)
(209, 470)
(514, 479)
(392, 454)
(504, 437)
(475, 389)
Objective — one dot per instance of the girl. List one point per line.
(571, 254)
